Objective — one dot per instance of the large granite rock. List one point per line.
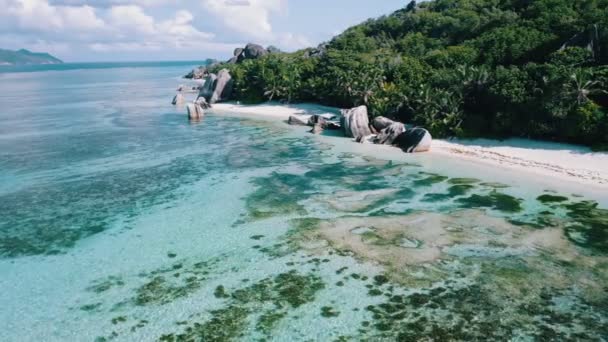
(380, 122)
(355, 122)
(222, 87)
(414, 140)
(197, 73)
(202, 102)
(195, 111)
(206, 90)
(388, 135)
(251, 51)
(299, 119)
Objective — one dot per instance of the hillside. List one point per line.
(469, 68)
(25, 57)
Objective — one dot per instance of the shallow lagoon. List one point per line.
(119, 220)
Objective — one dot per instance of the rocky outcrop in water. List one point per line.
(216, 88)
(178, 99)
(197, 73)
(320, 123)
(202, 102)
(195, 111)
(298, 120)
(201, 71)
(355, 122)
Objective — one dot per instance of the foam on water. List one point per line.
(119, 220)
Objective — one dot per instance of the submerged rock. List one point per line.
(317, 128)
(355, 122)
(414, 140)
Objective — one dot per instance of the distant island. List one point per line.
(26, 57)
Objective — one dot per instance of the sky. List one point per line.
(156, 30)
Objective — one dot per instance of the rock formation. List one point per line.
(197, 73)
(222, 87)
(217, 88)
(299, 120)
(206, 90)
(355, 122)
(195, 111)
(380, 122)
(414, 140)
(178, 99)
(202, 102)
(389, 134)
(251, 51)
(383, 131)
(318, 122)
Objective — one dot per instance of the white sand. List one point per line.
(544, 158)
(563, 161)
(273, 109)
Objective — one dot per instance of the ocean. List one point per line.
(120, 220)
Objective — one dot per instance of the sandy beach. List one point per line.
(561, 161)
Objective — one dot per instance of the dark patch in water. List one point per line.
(274, 297)
(494, 200)
(430, 179)
(546, 198)
(590, 226)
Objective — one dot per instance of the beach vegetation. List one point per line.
(467, 68)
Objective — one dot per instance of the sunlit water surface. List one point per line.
(120, 220)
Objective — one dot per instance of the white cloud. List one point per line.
(39, 15)
(248, 17)
(116, 28)
(290, 41)
(131, 18)
(129, 25)
(110, 3)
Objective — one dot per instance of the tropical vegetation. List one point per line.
(466, 68)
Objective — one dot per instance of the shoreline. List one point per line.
(560, 161)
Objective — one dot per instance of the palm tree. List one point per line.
(581, 86)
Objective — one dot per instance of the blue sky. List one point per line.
(142, 30)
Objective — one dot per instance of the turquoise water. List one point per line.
(120, 220)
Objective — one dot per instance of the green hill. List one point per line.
(23, 57)
(470, 68)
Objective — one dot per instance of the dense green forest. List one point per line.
(467, 68)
